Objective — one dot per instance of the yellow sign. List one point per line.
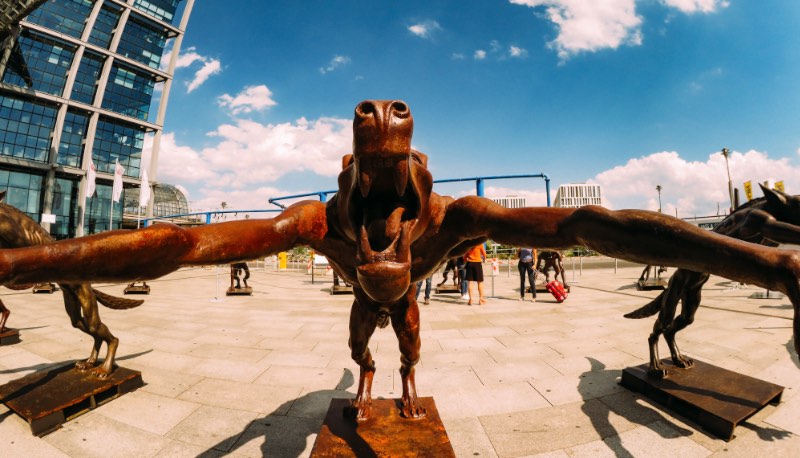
(282, 260)
(748, 190)
(779, 186)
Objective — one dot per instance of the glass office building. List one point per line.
(77, 80)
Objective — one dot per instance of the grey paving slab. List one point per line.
(253, 376)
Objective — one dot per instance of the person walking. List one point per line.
(475, 258)
(427, 290)
(461, 266)
(527, 258)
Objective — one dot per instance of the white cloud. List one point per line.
(457, 56)
(517, 52)
(252, 98)
(588, 26)
(336, 62)
(480, 54)
(694, 188)
(209, 68)
(188, 58)
(696, 6)
(425, 29)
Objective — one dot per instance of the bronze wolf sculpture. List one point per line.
(385, 229)
(769, 221)
(80, 299)
(551, 259)
(237, 269)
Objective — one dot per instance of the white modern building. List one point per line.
(510, 201)
(576, 195)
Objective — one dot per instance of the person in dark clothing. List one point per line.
(527, 259)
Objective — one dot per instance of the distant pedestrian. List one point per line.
(461, 266)
(475, 258)
(427, 290)
(527, 258)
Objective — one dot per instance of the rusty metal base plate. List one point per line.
(140, 289)
(341, 289)
(767, 295)
(245, 291)
(49, 398)
(716, 399)
(45, 288)
(651, 284)
(9, 336)
(384, 434)
(445, 289)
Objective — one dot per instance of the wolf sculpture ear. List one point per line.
(773, 196)
(347, 159)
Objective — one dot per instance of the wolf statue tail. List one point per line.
(116, 303)
(650, 309)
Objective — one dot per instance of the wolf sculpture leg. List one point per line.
(405, 321)
(364, 318)
(81, 306)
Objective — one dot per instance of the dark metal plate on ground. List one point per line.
(445, 289)
(9, 337)
(341, 289)
(49, 398)
(715, 398)
(652, 283)
(140, 289)
(45, 288)
(246, 291)
(767, 295)
(384, 434)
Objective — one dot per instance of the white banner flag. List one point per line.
(116, 190)
(91, 176)
(144, 191)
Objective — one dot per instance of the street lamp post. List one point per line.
(658, 188)
(726, 153)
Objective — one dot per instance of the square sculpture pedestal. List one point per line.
(385, 433)
(717, 399)
(49, 398)
(243, 291)
(9, 336)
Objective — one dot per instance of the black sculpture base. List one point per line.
(45, 288)
(245, 291)
(140, 289)
(446, 289)
(385, 433)
(9, 337)
(767, 295)
(651, 284)
(716, 399)
(49, 398)
(341, 289)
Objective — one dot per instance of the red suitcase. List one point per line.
(557, 290)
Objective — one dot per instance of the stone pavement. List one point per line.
(253, 376)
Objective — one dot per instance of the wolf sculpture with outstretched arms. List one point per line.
(385, 229)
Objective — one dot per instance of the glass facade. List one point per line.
(64, 16)
(168, 200)
(24, 191)
(25, 128)
(53, 111)
(115, 141)
(46, 60)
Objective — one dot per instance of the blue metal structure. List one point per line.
(146, 222)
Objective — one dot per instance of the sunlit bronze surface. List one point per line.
(551, 259)
(385, 229)
(769, 220)
(80, 300)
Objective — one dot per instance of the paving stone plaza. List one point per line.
(254, 375)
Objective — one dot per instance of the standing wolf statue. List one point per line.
(385, 230)
(80, 299)
(769, 221)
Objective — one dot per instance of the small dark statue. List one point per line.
(80, 299)
(769, 220)
(385, 230)
(551, 259)
(450, 267)
(237, 270)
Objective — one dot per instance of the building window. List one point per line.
(129, 92)
(24, 191)
(85, 86)
(65, 198)
(98, 211)
(142, 42)
(65, 16)
(25, 128)
(46, 60)
(104, 25)
(115, 141)
(70, 150)
(162, 9)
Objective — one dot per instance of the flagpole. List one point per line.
(111, 216)
(139, 217)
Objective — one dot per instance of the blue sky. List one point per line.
(625, 93)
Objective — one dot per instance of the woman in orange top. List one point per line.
(474, 258)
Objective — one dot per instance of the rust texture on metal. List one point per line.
(385, 229)
(244, 291)
(9, 336)
(715, 398)
(385, 434)
(48, 398)
(768, 221)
